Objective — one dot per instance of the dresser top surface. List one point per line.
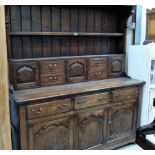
(30, 95)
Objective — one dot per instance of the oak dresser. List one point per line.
(68, 86)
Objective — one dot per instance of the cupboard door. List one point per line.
(53, 135)
(76, 70)
(25, 75)
(91, 129)
(121, 121)
(116, 66)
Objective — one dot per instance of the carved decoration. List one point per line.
(52, 136)
(90, 132)
(25, 74)
(116, 66)
(121, 120)
(76, 69)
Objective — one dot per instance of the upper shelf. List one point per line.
(66, 34)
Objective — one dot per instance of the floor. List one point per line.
(130, 147)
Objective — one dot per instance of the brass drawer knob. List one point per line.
(50, 65)
(102, 99)
(59, 106)
(99, 62)
(62, 106)
(109, 122)
(134, 94)
(53, 78)
(98, 73)
(37, 111)
(65, 105)
(82, 101)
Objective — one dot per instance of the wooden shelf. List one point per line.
(66, 34)
(23, 96)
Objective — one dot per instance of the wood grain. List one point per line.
(5, 133)
(55, 91)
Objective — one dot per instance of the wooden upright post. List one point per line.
(5, 130)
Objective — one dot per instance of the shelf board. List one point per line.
(66, 34)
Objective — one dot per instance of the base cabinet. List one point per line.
(52, 135)
(96, 120)
(86, 130)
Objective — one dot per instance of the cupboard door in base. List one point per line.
(91, 129)
(53, 135)
(121, 121)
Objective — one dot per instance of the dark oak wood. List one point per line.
(82, 123)
(25, 96)
(75, 33)
(91, 129)
(121, 121)
(55, 135)
(76, 70)
(40, 31)
(25, 75)
(55, 71)
(81, 50)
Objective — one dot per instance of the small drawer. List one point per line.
(93, 62)
(51, 66)
(126, 102)
(125, 94)
(96, 74)
(48, 108)
(91, 100)
(131, 93)
(52, 79)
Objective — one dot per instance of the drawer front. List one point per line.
(124, 94)
(91, 100)
(93, 62)
(53, 79)
(51, 66)
(97, 74)
(48, 108)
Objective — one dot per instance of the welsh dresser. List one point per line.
(67, 81)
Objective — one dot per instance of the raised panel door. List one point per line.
(52, 135)
(91, 129)
(121, 121)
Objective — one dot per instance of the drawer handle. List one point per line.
(63, 106)
(102, 99)
(52, 65)
(37, 111)
(99, 62)
(82, 101)
(53, 78)
(109, 122)
(134, 94)
(98, 73)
